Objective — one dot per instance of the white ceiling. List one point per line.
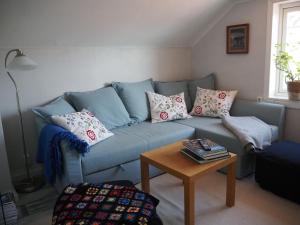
(30, 23)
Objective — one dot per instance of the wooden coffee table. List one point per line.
(169, 159)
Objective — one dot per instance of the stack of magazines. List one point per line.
(8, 209)
(204, 150)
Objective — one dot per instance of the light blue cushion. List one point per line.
(159, 134)
(275, 133)
(207, 82)
(104, 103)
(129, 142)
(116, 150)
(57, 107)
(135, 99)
(207, 127)
(213, 128)
(128, 171)
(173, 88)
(270, 113)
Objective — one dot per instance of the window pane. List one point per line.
(292, 39)
(293, 33)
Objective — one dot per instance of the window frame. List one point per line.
(272, 38)
(284, 9)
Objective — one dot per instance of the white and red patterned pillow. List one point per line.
(84, 125)
(165, 108)
(213, 103)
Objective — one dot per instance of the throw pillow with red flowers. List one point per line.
(213, 103)
(166, 108)
(84, 125)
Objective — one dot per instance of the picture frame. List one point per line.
(237, 39)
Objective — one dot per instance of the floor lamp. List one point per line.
(21, 62)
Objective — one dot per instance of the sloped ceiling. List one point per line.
(30, 23)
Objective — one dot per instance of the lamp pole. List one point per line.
(29, 184)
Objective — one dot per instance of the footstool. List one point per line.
(278, 169)
(110, 203)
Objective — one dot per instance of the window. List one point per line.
(285, 31)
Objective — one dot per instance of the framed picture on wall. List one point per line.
(237, 39)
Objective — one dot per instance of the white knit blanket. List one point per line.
(249, 130)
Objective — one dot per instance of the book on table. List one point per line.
(199, 159)
(204, 150)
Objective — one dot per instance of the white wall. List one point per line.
(79, 45)
(105, 23)
(6, 184)
(244, 72)
(78, 69)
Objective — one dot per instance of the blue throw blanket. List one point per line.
(49, 149)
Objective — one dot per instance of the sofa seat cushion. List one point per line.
(213, 128)
(116, 150)
(129, 142)
(159, 134)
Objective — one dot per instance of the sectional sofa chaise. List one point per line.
(117, 157)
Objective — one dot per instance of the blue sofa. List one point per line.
(117, 158)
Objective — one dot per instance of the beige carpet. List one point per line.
(254, 206)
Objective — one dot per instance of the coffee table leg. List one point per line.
(230, 191)
(145, 176)
(189, 202)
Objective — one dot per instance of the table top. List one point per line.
(171, 160)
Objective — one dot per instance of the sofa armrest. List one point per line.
(72, 170)
(270, 113)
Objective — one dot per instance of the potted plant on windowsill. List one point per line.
(286, 63)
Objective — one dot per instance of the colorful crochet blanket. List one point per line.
(105, 204)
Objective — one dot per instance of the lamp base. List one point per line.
(29, 185)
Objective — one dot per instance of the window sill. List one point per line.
(284, 101)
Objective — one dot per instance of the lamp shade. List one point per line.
(21, 62)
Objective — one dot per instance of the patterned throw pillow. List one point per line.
(84, 125)
(167, 108)
(213, 103)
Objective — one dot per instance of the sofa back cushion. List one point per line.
(207, 82)
(174, 88)
(57, 107)
(135, 99)
(104, 103)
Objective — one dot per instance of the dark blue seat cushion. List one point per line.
(286, 153)
(278, 170)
